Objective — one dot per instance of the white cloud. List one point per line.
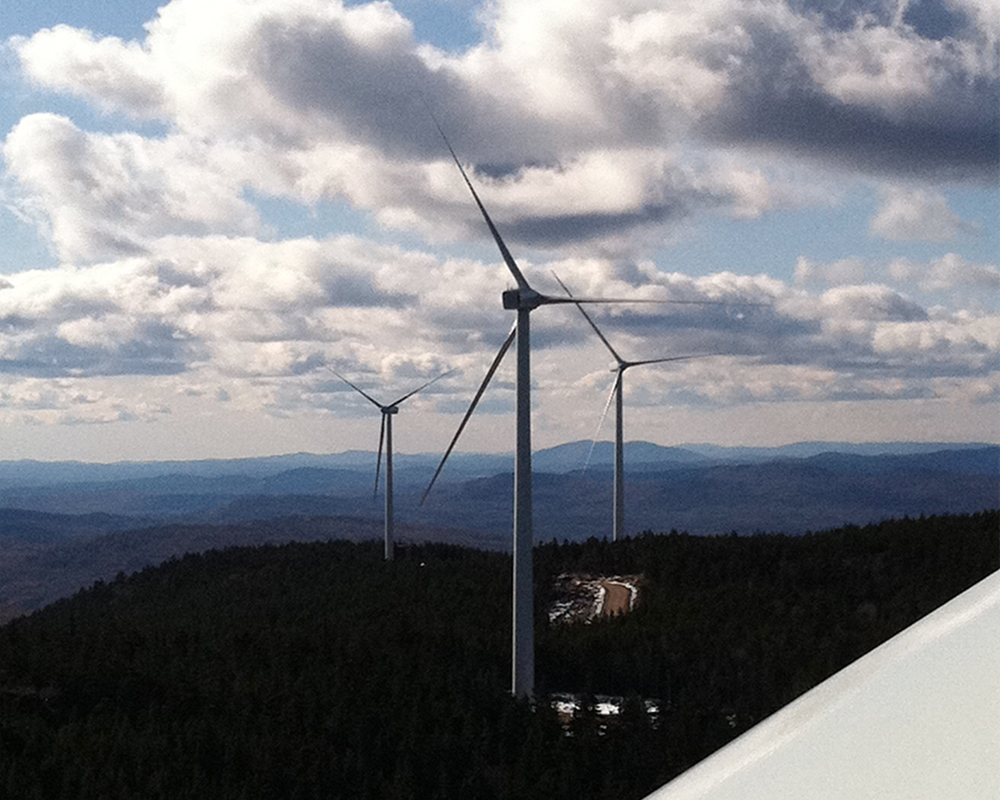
(247, 309)
(107, 195)
(949, 272)
(67, 402)
(892, 68)
(118, 75)
(835, 273)
(969, 337)
(907, 214)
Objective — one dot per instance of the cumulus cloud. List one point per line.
(103, 195)
(948, 272)
(917, 214)
(869, 93)
(842, 271)
(243, 310)
(118, 75)
(592, 124)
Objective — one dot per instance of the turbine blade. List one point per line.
(547, 299)
(507, 257)
(665, 360)
(421, 388)
(593, 324)
(472, 407)
(355, 388)
(615, 387)
(378, 458)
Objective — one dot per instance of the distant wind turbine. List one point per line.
(617, 390)
(385, 436)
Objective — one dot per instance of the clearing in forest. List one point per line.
(580, 597)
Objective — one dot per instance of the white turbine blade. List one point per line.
(615, 387)
(421, 388)
(507, 257)
(378, 458)
(472, 407)
(355, 388)
(593, 324)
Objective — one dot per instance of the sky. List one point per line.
(207, 207)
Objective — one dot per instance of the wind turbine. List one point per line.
(524, 299)
(617, 391)
(385, 436)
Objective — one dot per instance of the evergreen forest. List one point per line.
(316, 670)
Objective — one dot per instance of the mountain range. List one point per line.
(64, 524)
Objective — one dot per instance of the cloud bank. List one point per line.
(596, 132)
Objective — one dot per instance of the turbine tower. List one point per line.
(618, 528)
(524, 299)
(385, 436)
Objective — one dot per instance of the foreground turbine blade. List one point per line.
(615, 387)
(507, 257)
(665, 360)
(472, 407)
(421, 388)
(545, 299)
(355, 388)
(378, 458)
(593, 324)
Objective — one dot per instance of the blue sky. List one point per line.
(207, 205)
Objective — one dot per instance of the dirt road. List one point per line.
(616, 599)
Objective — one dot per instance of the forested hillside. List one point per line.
(318, 671)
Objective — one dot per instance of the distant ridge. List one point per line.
(806, 449)
(561, 458)
(793, 489)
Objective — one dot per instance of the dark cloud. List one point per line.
(153, 349)
(174, 276)
(552, 231)
(378, 93)
(774, 102)
(358, 291)
(814, 124)
(382, 92)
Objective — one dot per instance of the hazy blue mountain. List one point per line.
(807, 449)
(794, 490)
(62, 522)
(971, 461)
(785, 495)
(461, 466)
(573, 456)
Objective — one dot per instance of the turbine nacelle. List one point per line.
(522, 299)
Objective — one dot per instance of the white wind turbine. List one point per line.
(523, 300)
(385, 436)
(617, 390)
